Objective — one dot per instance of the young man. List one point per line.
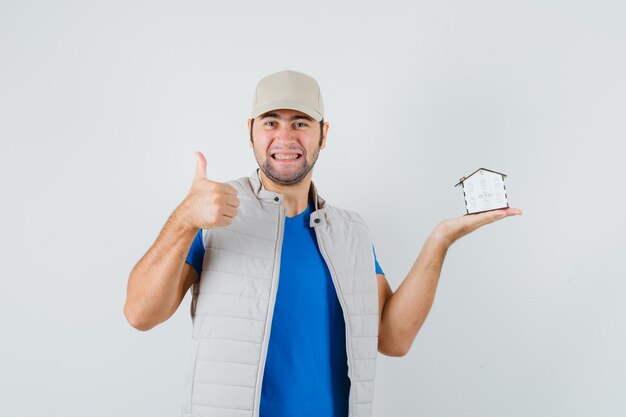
(289, 306)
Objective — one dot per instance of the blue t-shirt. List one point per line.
(306, 370)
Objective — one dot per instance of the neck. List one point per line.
(295, 196)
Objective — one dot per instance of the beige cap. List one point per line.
(288, 90)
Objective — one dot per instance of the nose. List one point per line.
(285, 133)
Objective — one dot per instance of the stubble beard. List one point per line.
(286, 178)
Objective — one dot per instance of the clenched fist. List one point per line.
(208, 204)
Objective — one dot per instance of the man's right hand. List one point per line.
(208, 204)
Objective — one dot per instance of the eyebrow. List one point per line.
(294, 117)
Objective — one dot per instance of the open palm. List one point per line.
(455, 228)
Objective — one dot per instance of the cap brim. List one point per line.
(287, 104)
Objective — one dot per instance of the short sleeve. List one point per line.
(195, 256)
(379, 270)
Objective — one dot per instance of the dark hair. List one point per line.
(321, 130)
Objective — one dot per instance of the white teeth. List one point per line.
(282, 156)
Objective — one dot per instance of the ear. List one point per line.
(324, 133)
(249, 132)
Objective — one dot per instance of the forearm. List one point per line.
(156, 281)
(406, 310)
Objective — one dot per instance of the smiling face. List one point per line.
(286, 144)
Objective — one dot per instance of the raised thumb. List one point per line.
(200, 166)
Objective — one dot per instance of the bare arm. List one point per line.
(402, 313)
(159, 281)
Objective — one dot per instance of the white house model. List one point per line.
(484, 190)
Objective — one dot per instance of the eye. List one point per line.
(300, 124)
(271, 123)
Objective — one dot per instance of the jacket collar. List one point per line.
(269, 196)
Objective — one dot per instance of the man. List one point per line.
(289, 306)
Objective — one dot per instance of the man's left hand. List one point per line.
(450, 230)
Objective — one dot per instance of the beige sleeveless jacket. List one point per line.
(233, 302)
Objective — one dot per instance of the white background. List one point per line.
(103, 103)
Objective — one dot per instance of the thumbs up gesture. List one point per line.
(208, 204)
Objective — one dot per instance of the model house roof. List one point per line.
(479, 169)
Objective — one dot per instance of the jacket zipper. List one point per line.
(342, 302)
(270, 310)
